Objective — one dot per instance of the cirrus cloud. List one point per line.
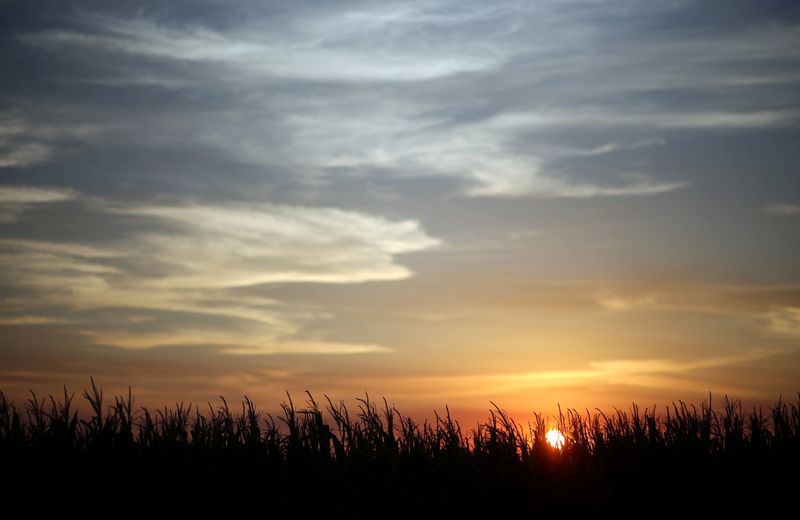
(190, 259)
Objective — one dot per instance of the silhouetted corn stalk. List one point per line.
(627, 447)
(387, 431)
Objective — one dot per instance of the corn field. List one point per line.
(321, 458)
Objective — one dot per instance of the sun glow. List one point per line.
(555, 439)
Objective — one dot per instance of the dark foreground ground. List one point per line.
(321, 461)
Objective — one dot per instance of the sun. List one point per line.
(555, 438)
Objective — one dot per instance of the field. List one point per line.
(323, 459)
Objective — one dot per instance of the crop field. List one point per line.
(323, 459)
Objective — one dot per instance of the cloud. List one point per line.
(190, 259)
(618, 303)
(386, 43)
(782, 209)
(474, 153)
(406, 89)
(658, 373)
(15, 199)
(26, 142)
(691, 296)
(215, 246)
(785, 321)
(24, 195)
(605, 148)
(600, 118)
(15, 149)
(30, 320)
(23, 155)
(235, 342)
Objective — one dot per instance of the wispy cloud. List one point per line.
(23, 195)
(14, 199)
(233, 246)
(474, 153)
(618, 303)
(782, 209)
(422, 130)
(236, 342)
(25, 142)
(785, 321)
(31, 320)
(186, 258)
(388, 43)
(605, 118)
(24, 154)
(664, 374)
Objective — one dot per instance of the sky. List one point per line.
(575, 202)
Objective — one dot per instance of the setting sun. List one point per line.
(555, 438)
